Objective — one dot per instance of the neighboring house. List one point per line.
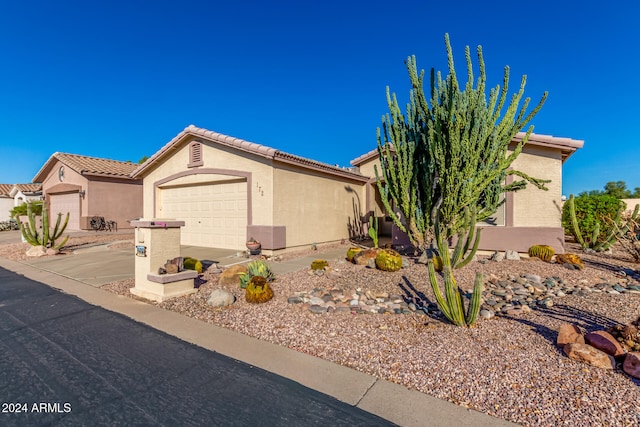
(227, 190)
(23, 193)
(89, 186)
(631, 204)
(6, 201)
(530, 216)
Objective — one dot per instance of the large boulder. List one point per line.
(231, 275)
(631, 364)
(590, 355)
(37, 251)
(604, 341)
(569, 333)
(220, 298)
(363, 257)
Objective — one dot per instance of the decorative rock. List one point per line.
(569, 333)
(220, 298)
(604, 341)
(589, 355)
(37, 251)
(51, 251)
(631, 364)
(294, 300)
(371, 263)
(317, 309)
(231, 275)
(497, 256)
(512, 255)
(486, 314)
(362, 258)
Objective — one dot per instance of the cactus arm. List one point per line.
(45, 226)
(574, 222)
(442, 305)
(61, 244)
(474, 249)
(57, 231)
(474, 304)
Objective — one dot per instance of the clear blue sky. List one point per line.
(119, 79)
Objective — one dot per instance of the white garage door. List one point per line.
(63, 203)
(215, 215)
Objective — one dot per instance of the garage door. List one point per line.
(215, 215)
(63, 203)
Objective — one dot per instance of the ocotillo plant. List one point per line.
(48, 237)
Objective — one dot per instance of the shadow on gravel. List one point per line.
(421, 301)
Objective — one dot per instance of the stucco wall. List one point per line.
(631, 203)
(533, 207)
(6, 204)
(116, 201)
(314, 207)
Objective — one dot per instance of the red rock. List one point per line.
(362, 258)
(231, 275)
(589, 355)
(604, 341)
(569, 333)
(631, 364)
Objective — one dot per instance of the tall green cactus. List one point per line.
(373, 229)
(612, 230)
(445, 162)
(48, 237)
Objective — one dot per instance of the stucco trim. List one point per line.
(63, 188)
(271, 237)
(521, 238)
(209, 171)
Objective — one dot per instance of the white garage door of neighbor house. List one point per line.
(63, 203)
(215, 215)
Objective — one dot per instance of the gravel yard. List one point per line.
(506, 366)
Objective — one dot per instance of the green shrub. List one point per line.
(591, 211)
(192, 264)
(256, 268)
(21, 210)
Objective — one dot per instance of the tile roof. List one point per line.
(28, 187)
(5, 189)
(86, 165)
(566, 145)
(249, 147)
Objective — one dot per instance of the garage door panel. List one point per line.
(215, 215)
(63, 203)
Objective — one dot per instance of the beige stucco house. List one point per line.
(90, 186)
(227, 190)
(527, 217)
(12, 195)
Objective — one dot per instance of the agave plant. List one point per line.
(256, 268)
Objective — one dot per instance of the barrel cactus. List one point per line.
(258, 290)
(192, 264)
(544, 252)
(389, 260)
(319, 264)
(351, 252)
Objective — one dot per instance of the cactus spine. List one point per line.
(48, 237)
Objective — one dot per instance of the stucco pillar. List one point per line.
(157, 241)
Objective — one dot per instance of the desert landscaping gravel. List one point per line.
(508, 367)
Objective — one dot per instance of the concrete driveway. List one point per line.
(99, 265)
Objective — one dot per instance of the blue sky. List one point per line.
(119, 79)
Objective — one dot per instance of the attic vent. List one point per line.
(195, 155)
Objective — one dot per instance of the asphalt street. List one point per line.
(66, 362)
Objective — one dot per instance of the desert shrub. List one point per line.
(591, 211)
(256, 268)
(21, 210)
